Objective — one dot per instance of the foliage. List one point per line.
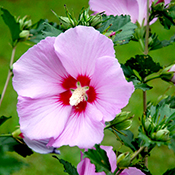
(157, 123)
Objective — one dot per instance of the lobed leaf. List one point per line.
(122, 25)
(143, 64)
(12, 24)
(99, 158)
(71, 170)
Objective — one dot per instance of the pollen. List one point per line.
(78, 95)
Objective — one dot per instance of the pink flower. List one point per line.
(172, 69)
(137, 9)
(85, 167)
(68, 87)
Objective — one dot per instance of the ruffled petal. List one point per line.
(79, 47)
(42, 118)
(39, 72)
(83, 129)
(112, 89)
(39, 146)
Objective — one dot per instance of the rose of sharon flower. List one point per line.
(137, 9)
(68, 86)
(85, 167)
(172, 69)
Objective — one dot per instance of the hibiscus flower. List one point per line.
(85, 167)
(137, 9)
(68, 86)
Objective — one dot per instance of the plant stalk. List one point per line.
(9, 74)
(146, 53)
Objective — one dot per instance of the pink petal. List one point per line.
(116, 7)
(85, 167)
(112, 89)
(39, 146)
(42, 118)
(132, 171)
(111, 156)
(79, 47)
(83, 129)
(39, 72)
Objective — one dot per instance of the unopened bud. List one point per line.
(168, 74)
(24, 34)
(96, 21)
(65, 22)
(123, 160)
(162, 135)
(16, 133)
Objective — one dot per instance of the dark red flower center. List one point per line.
(70, 84)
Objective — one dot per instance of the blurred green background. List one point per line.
(161, 158)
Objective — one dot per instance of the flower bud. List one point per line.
(123, 160)
(65, 22)
(148, 123)
(96, 21)
(172, 69)
(168, 74)
(24, 34)
(162, 135)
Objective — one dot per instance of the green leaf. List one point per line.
(3, 119)
(157, 44)
(43, 29)
(139, 85)
(144, 65)
(10, 144)
(36, 31)
(166, 14)
(8, 164)
(122, 25)
(170, 172)
(99, 158)
(50, 30)
(71, 170)
(128, 139)
(12, 24)
(135, 78)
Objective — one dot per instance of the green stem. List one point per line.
(6, 135)
(9, 74)
(146, 53)
(137, 153)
